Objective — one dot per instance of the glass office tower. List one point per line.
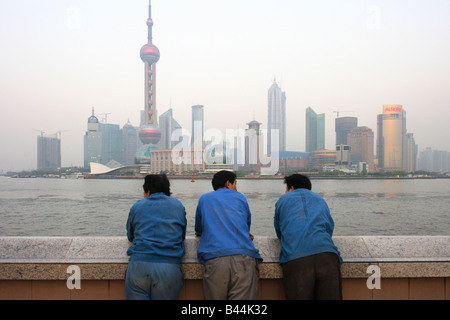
(392, 142)
(315, 130)
(343, 126)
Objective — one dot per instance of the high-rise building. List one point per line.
(131, 143)
(92, 142)
(434, 160)
(343, 126)
(361, 141)
(149, 133)
(112, 143)
(391, 142)
(167, 125)
(276, 117)
(315, 130)
(198, 127)
(253, 147)
(411, 155)
(48, 152)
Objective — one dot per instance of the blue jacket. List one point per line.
(304, 225)
(223, 220)
(157, 227)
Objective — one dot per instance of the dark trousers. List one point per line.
(316, 277)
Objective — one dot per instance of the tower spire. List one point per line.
(150, 22)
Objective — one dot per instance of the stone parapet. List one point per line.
(104, 258)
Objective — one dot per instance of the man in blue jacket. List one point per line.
(309, 259)
(226, 249)
(156, 226)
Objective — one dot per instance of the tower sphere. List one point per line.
(150, 53)
(150, 134)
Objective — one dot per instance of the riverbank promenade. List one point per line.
(93, 268)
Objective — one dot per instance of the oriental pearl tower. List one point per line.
(149, 133)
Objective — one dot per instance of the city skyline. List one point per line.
(61, 58)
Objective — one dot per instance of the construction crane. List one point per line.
(59, 133)
(41, 131)
(105, 117)
(56, 135)
(339, 111)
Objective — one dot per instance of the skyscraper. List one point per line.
(131, 143)
(92, 142)
(198, 127)
(315, 130)
(48, 152)
(276, 117)
(392, 142)
(343, 126)
(149, 133)
(412, 152)
(361, 141)
(167, 126)
(112, 143)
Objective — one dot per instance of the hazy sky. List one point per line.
(60, 58)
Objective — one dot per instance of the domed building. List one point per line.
(92, 142)
(92, 122)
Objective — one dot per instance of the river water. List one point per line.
(79, 207)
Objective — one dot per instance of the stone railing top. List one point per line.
(113, 249)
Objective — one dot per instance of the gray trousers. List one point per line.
(231, 278)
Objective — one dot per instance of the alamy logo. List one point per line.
(74, 281)
(74, 17)
(237, 147)
(374, 281)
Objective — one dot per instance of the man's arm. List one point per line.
(198, 220)
(130, 229)
(276, 220)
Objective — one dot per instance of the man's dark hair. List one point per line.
(220, 179)
(157, 183)
(298, 181)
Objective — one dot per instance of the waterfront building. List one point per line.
(92, 142)
(322, 159)
(179, 162)
(361, 141)
(292, 161)
(48, 152)
(198, 127)
(315, 130)
(343, 159)
(343, 126)
(276, 117)
(108, 144)
(391, 142)
(167, 125)
(149, 132)
(434, 160)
